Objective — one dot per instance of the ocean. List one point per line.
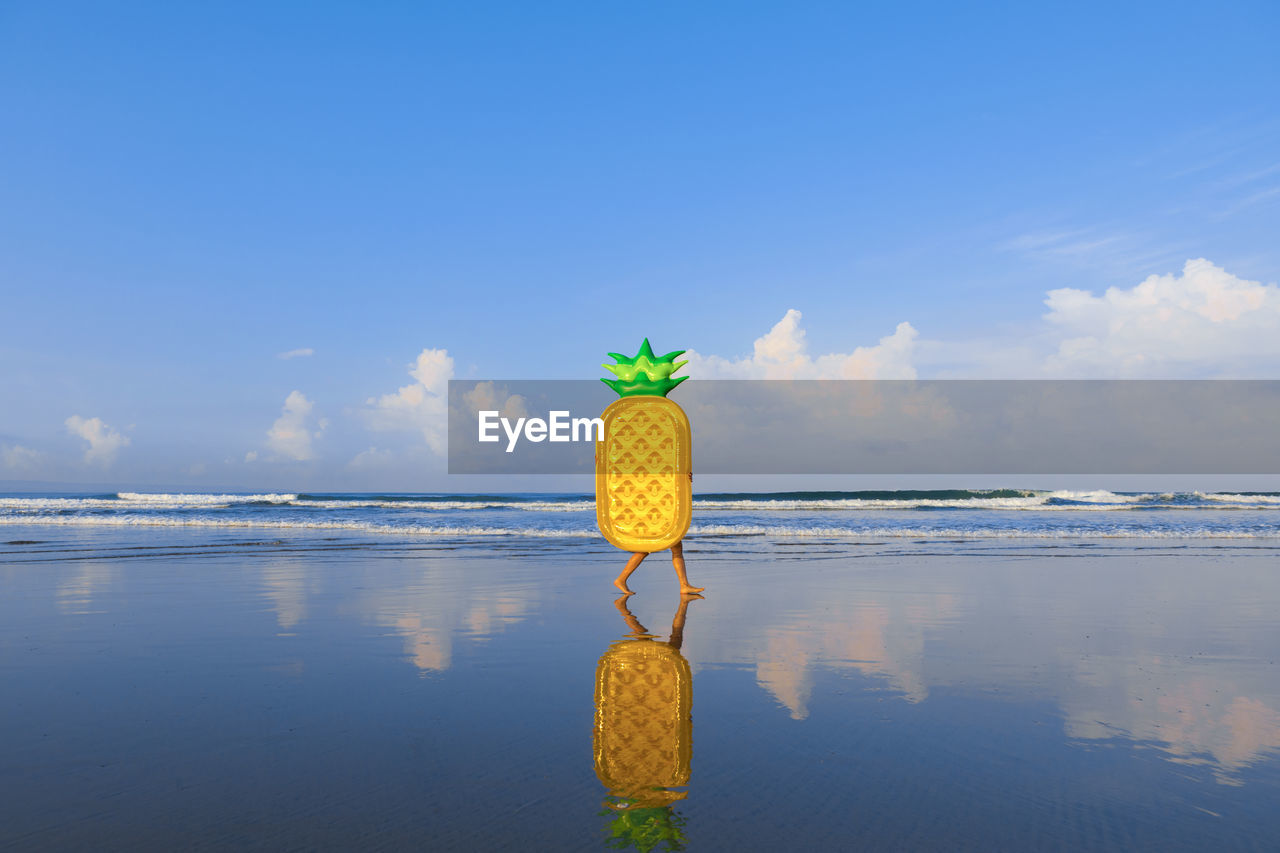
(836, 516)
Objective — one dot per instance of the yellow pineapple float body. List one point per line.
(644, 498)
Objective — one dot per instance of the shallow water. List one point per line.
(276, 689)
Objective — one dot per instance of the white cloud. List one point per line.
(783, 354)
(290, 436)
(371, 459)
(104, 442)
(296, 353)
(19, 458)
(251, 456)
(488, 397)
(1099, 249)
(1069, 244)
(1205, 322)
(421, 406)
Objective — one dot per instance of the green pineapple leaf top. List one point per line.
(646, 829)
(644, 374)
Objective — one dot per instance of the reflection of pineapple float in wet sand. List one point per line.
(643, 736)
(643, 732)
(643, 495)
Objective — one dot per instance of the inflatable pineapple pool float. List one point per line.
(643, 495)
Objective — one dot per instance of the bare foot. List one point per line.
(622, 585)
(691, 590)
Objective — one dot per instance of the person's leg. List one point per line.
(677, 561)
(634, 563)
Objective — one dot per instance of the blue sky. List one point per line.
(190, 192)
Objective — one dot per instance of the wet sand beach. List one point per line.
(259, 691)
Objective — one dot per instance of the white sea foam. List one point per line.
(1078, 501)
(1263, 500)
(784, 532)
(530, 506)
(1099, 496)
(202, 499)
(772, 531)
(1053, 501)
(358, 526)
(139, 500)
(35, 504)
(868, 503)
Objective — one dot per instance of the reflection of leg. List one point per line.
(632, 622)
(677, 560)
(634, 563)
(677, 624)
